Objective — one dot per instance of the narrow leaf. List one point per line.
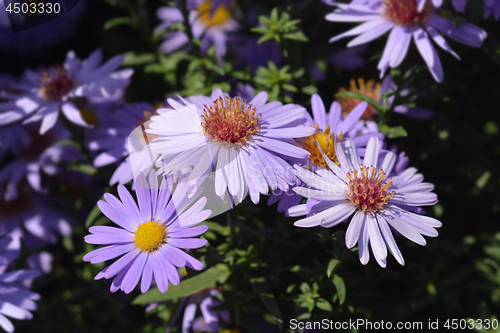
(340, 286)
(207, 279)
(331, 266)
(354, 94)
(115, 22)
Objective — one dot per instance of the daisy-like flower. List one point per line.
(151, 235)
(42, 94)
(327, 125)
(246, 143)
(404, 20)
(210, 20)
(16, 300)
(377, 201)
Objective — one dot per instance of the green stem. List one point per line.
(187, 24)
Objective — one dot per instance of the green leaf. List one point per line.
(298, 36)
(83, 168)
(117, 21)
(397, 132)
(340, 286)
(265, 38)
(207, 279)
(354, 94)
(331, 266)
(274, 16)
(289, 87)
(261, 287)
(309, 90)
(323, 304)
(260, 30)
(132, 59)
(216, 227)
(483, 180)
(304, 288)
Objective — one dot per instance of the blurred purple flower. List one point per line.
(16, 300)
(349, 59)
(211, 320)
(43, 93)
(490, 7)
(111, 137)
(33, 217)
(403, 19)
(33, 154)
(210, 21)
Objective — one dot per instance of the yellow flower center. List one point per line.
(367, 190)
(89, 115)
(233, 122)
(369, 89)
(327, 144)
(210, 18)
(149, 236)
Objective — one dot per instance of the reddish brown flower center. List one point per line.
(367, 189)
(232, 121)
(370, 89)
(56, 83)
(405, 12)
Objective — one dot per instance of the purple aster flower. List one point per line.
(16, 300)
(210, 21)
(246, 143)
(35, 218)
(211, 320)
(377, 201)
(151, 235)
(327, 125)
(36, 154)
(111, 136)
(405, 21)
(44, 93)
